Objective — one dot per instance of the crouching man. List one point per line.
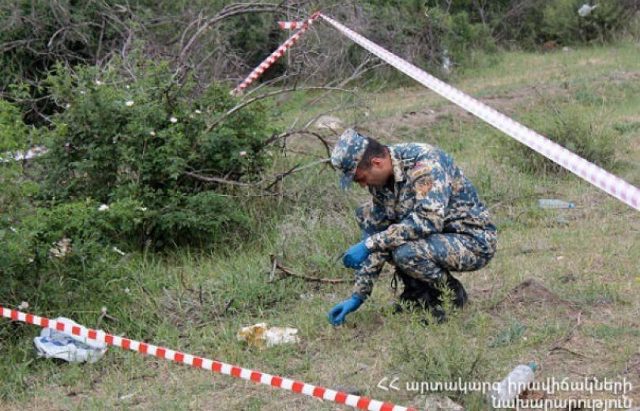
(424, 217)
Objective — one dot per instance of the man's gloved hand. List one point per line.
(336, 314)
(355, 255)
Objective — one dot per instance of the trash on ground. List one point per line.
(513, 385)
(260, 335)
(71, 348)
(554, 203)
(33, 152)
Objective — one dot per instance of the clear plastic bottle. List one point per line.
(554, 203)
(515, 383)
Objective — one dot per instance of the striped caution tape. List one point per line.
(279, 52)
(300, 387)
(595, 175)
(290, 25)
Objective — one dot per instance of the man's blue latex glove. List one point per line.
(355, 255)
(336, 314)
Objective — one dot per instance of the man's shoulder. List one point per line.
(407, 151)
(419, 155)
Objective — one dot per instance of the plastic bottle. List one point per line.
(515, 383)
(554, 203)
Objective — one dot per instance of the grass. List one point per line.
(582, 321)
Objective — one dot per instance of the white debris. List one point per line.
(33, 152)
(173, 120)
(61, 248)
(119, 251)
(243, 153)
(103, 207)
(23, 305)
(446, 62)
(586, 9)
(259, 335)
(71, 348)
(129, 103)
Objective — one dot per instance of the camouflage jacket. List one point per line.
(430, 195)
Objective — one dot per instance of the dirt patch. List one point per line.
(193, 308)
(509, 103)
(633, 365)
(531, 292)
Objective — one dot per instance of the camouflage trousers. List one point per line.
(429, 259)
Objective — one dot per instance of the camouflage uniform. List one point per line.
(429, 223)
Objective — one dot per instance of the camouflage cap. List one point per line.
(347, 153)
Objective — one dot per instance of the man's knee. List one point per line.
(417, 261)
(404, 256)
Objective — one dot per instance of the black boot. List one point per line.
(420, 294)
(459, 294)
(428, 295)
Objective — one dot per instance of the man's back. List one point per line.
(427, 177)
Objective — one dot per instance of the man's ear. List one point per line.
(377, 162)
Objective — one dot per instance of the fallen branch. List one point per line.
(295, 169)
(267, 95)
(287, 134)
(287, 272)
(278, 177)
(211, 179)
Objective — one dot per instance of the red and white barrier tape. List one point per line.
(595, 175)
(279, 52)
(290, 25)
(339, 397)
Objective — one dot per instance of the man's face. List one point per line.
(377, 174)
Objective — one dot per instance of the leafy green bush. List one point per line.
(13, 131)
(562, 23)
(62, 261)
(576, 129)
(15, 188)
(428, 34)
(143, 140)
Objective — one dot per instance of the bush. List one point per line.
(441, 353)
(429, 35)
(561, 22)
(576, 129)
(62, 261)
(15, 189)
(120, 139)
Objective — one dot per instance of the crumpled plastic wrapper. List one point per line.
(260, 335)
(71, 348)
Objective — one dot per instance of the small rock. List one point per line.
(350, 390)
(330, 122)
(441, 403)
